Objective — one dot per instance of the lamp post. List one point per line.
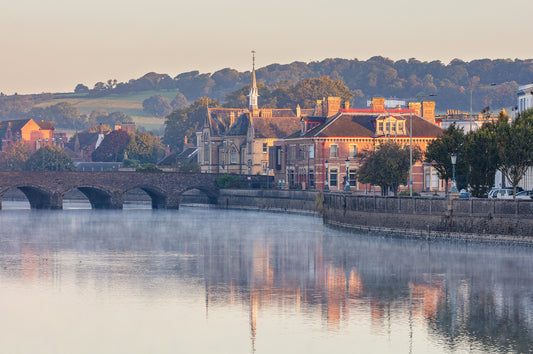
(471, 90)
(347, 163)
(326, 184)
(454, 160)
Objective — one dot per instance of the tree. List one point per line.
(49, 158)
(145, 148)
(481, 155)
(17, 155)
(439, 151)
(112, 147)
(387, 166)
(515, 146)
(186, 122)
(179, 102)
(81, 88)
(157, 105)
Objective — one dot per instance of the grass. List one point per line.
(129, 103)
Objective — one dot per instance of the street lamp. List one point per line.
(454, 160)
(326, 184)
(347, 186)
(471, 90)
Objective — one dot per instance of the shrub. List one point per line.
(228, 181)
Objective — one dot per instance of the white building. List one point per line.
(525, 97)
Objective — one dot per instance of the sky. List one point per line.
(53, 45)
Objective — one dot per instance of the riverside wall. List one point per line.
(478, 219)
(484, 220)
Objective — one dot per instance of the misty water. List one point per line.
(201, 280)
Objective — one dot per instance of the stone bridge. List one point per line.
(105, 190)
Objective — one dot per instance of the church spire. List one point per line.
(253, 88)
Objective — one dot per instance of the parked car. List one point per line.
(524, 195)
(464, 194)
(503, 193)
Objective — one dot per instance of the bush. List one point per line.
(406, 194)
(149, 167)
(228, 181)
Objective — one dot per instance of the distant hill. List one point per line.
(378, 76)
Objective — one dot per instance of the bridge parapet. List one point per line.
(105, 190)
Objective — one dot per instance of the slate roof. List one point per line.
(86, 138)
(16, 124)
(45, 125)
(187, 155)
(240, 127)
(364, 125)
(275, 127)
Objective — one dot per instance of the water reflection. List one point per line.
(229, 281)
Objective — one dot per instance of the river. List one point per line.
(220, 281)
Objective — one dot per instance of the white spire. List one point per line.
(253, 88)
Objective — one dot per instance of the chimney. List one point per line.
(298, 111)
(378, 104)
(167, 150)
(333, 106)
(318, 109)
(346, 105)
(428, 111)
(231, 118)
(415, 108)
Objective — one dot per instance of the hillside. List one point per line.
(456, 85)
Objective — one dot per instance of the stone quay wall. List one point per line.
(294, 201)
(479, 219)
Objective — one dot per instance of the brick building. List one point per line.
(36, 133)
(332, 135)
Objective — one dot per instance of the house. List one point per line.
(317, 154)
(236, 140)
(36, 133)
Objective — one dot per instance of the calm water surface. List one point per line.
(214, 281)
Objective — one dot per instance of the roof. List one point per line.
(16, 124)
(240, 127)
(86, 138)
(174, 158)
(349, 124)
(275, 127)
(45, 125)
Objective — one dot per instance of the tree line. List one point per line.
(377, 76)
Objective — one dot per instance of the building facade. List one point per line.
(324, 151)
(36, 134)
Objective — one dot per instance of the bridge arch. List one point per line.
(100, 197)
(156, 194)
(38, 196)
(211, 192)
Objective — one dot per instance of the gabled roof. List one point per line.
(45, 125)
(240, 127)
(16, 124)
(86, 138)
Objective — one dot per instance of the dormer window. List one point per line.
(390, 126)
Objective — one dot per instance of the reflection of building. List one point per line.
(236, 140)
(331, 135)
(36, 133)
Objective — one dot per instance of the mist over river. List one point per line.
(200, 280)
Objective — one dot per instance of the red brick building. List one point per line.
(332, 135)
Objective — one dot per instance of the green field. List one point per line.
(129, 103)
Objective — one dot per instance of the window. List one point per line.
(333, 177)
(311, 151)
(351, 176)
(264, 165)
(233, 156)
(265, 148)
(380, 126)
(311, 178)
(333, 151)
(353, 150)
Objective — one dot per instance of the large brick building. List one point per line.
(332, 135)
